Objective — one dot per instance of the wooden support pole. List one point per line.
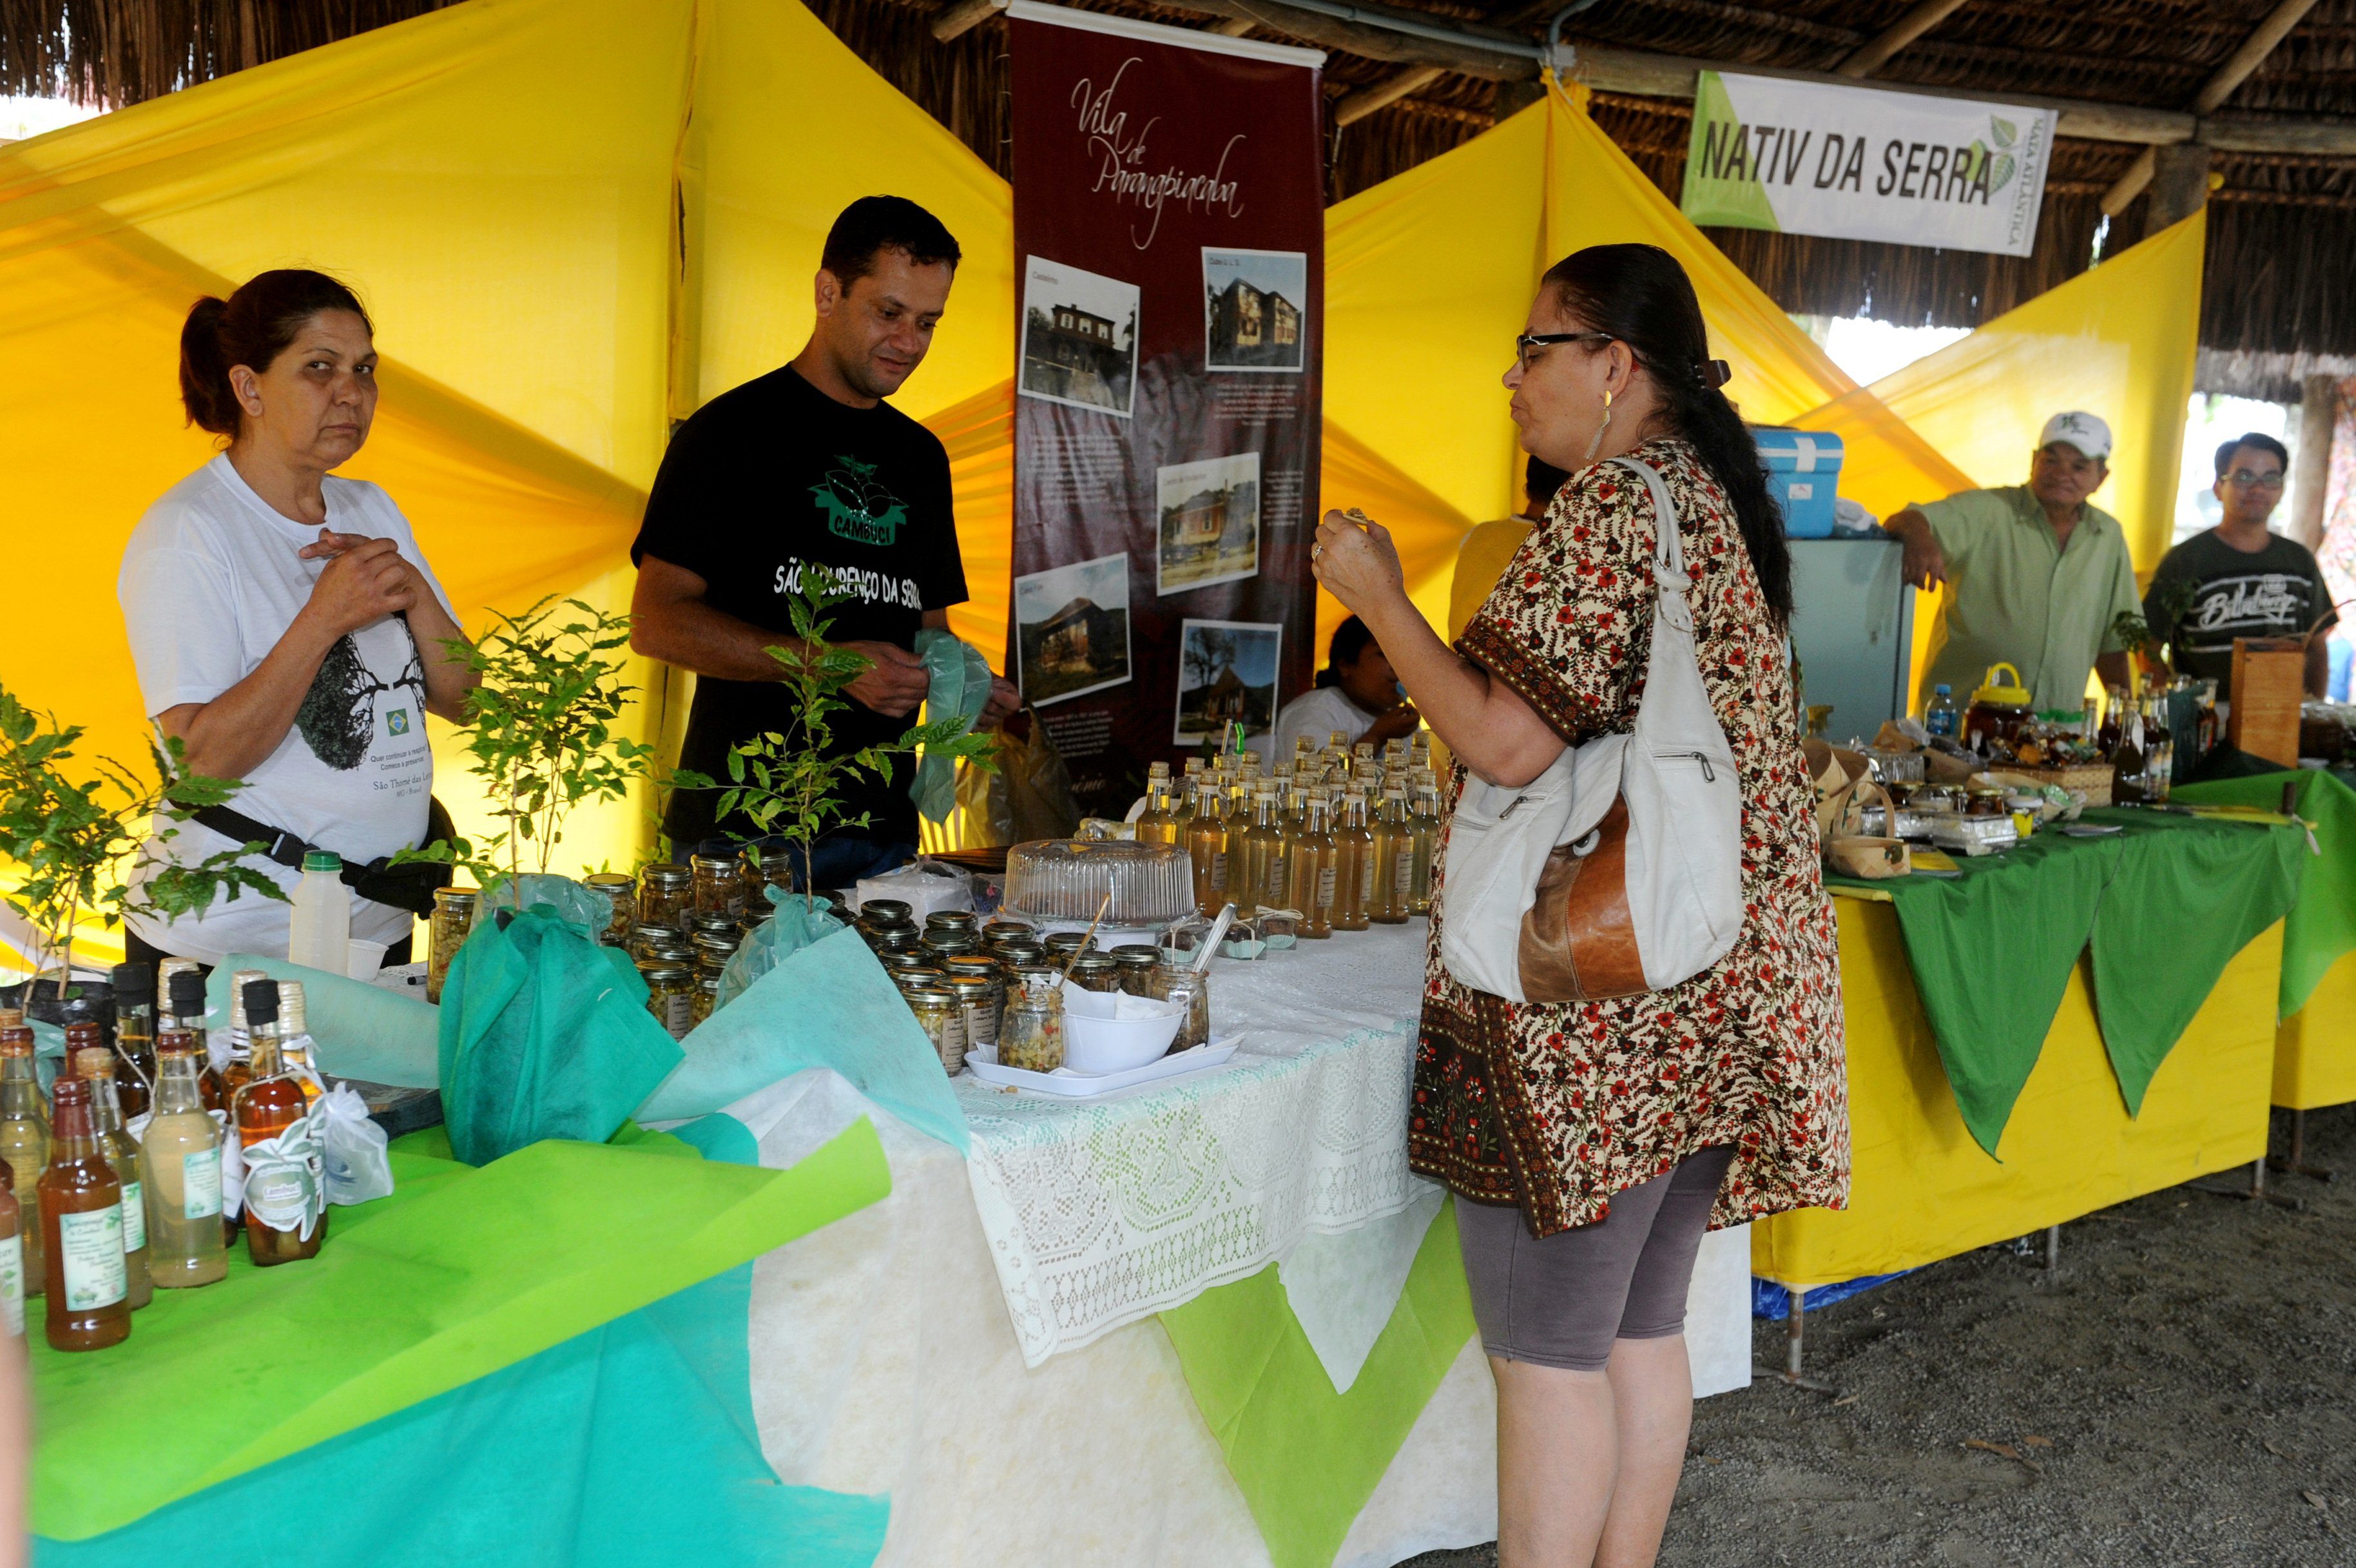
(2319, 410)
(1234, 27)
(1385, 93)
(2213, 93)
(961, 17)
(2180, 186)
(1875, 53)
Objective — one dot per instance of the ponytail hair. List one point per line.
(1640, 296)
(251, 327)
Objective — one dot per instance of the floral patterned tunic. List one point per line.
(1556, 1106)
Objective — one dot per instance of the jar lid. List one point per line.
(1136, 955)
(667, 974)
(616, 880)
(949, 920)
(712, 862)
(1093, 962)
(455, 895)
(1070, 943)
(666, 874)
(893, 909)
(978, 965)
(932, 995)
(711, 922)
(968, 987)
(2001, 694)
(900, 961)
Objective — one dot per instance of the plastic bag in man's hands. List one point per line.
(355, 1168)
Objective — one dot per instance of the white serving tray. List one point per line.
(1073, 1085)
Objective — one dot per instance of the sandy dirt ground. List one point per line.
(2181, 1391)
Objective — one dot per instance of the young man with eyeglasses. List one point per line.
(2036, 575)
(2240, 579)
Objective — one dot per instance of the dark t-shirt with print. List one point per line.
(2276, 592)
(769, 478)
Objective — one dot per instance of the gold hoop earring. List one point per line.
(1597, 440)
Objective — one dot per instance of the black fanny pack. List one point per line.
(408, 886)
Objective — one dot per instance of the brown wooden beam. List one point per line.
(1383, 94)
(1873, 55)
(959, 17)
(2254, 50)
(2319, 410)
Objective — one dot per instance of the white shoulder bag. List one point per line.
(1619, 869)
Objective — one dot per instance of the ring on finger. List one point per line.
(1317, 552)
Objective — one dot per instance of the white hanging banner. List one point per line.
(1857, 163)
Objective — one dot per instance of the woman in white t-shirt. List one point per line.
(285, 626)
(1357, 693)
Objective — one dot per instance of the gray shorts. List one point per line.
(1562, 1301)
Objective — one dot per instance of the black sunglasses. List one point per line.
(1529, 340)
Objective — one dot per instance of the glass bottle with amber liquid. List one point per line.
(1423, 817)
(80, 1205)
(24, 1135)
(181, 1156)
(135, 1037)
(1311, 874)
(186, 1031)
(1157, 823)
(1207, 845)
(239, 1067)
(1393, 859)
(95, 1065)
(1354, 863)
(286, 1220)
(1260, 878)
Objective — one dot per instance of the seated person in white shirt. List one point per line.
(1357, 693)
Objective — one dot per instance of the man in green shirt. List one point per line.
(2035, 577)
(2240, 579)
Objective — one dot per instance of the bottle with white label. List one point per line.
(182, 1155)
(285, 1211)
(319, 931)
(24, 1135)
(81, 1232)
(96, 1063)
(12, 1257)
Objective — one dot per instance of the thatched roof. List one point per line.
(2282, 229)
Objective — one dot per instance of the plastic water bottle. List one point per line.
(1943, 718)
(319, 932)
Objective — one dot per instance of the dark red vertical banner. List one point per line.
(1169, 229)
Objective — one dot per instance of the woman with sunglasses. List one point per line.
(1590, 1144)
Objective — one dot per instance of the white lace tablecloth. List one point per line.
(1099, 1213)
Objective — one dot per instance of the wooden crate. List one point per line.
(2269, 684)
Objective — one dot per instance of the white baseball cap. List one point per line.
(2084, 431)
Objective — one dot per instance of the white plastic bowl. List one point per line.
(1097, 1042)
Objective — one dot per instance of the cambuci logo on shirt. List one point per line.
(856, 507)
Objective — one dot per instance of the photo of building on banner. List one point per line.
(1169, 228)
(1857, 163)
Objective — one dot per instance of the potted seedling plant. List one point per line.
(71, 828)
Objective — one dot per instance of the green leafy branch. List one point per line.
(542, 733)
(68, 835)
(788, 782)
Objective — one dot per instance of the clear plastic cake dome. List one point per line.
(1057, 881)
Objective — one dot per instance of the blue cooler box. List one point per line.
(1803, 467)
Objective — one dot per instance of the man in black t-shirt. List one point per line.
(2238, 579)
(808, 468)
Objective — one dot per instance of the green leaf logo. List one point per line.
(2005, 130)
(2003, 175)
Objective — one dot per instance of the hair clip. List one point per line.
(1713, 374)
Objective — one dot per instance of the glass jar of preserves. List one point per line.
(670, 997)
(453, 917)
(1175, 978)
(665, 896)
(901, 963)
(1031, 1030)
(887, 912)
(718, 887)
(713, 949)
(1095, 972)
(924, 977)
(620, 891)
(1133, 965)
(647, 939)
(705, 998)
(1001, 930)
(982, 1000)
(1013, 954)
(942, 1018)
